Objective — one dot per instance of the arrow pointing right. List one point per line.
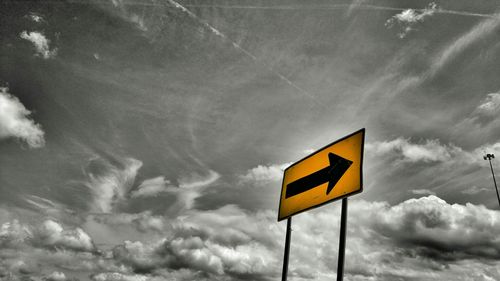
(331, 174)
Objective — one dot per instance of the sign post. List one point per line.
(333, 172)
(343, 224)
(287, 248)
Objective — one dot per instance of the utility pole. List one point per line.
(489, 157)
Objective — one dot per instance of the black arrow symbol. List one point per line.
(331, 174)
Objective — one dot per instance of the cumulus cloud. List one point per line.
(110, 186)
(40, 42)
(418, 239)
(49, 234)
(15, 121)
(14, 234)
(403, 150)
(56, 276)
(52, 234)
(406, 151)
(223, 242)
(409, 17)
(432, 228)
(265, 173)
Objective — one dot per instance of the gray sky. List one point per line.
(146, 140)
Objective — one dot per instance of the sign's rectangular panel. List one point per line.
(328, 174)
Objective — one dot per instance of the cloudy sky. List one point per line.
(146, 139)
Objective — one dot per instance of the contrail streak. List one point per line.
(277, 7)
(338, 7)
(240, 48)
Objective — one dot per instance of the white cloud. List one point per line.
(116, 276)
(419, 239)
(458, 46)
(404, 150)
(197, 181)
(113, 184)
(222, 242)
(128, 15)
(15, 121)
(14, 234)
(423, 192)
(143, 221)
(56, 276)
(190, 188)
(265, 173)
(152, 187)
(474, 190)
(52, 234)
(490, 105)
(433, 227)
(409, 17)
(36, 17)
(40, 42)
(138, 20)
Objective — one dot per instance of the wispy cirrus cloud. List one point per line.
(188, 189)
(480, 31)
(151, 187)
(474, 190)
(111, 183)
(490, 105)
(15, 121)
(127, 14)
(423, 192)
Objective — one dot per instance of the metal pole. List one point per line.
(494, 181)
(287, 248)
(343, 223)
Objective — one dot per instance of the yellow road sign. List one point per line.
(328, 174)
